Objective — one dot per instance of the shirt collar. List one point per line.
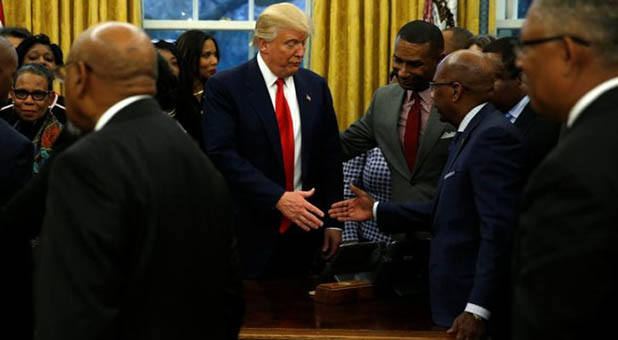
(469, 116)
(425, 95)
(111, 112)
(269, 77)
(516, 110)
(589, 97)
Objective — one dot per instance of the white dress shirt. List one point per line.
(516, 110)
(589, 97)
(289, 91)
(111, 112)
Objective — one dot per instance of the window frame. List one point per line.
(506, 15)
(218, 25)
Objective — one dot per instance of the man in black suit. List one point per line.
(15, 150)
(270, 128)
(509, 96)
(566, 256)
(473, 214)
(137, 240)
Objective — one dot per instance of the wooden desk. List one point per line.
(284, 310)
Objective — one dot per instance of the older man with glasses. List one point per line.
(566, 255)
(473, 213)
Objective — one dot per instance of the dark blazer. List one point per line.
(565, 251)
(378, 127)
(242, 138)
(472, 218)
(540, 136)
(16, 153)
(137, 241)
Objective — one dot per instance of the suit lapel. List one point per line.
(433, 132)
(525, 119)
(463, 139)
(391, 112)
(259, 99)
(304, 95)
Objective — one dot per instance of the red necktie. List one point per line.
(286, 132)
(411, 135)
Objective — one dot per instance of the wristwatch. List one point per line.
(476, 316)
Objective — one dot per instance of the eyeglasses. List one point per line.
(433, 84)
(37, 95)
(522, 45)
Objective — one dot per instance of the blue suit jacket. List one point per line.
(16, 153)
(241, 137)
(472, 218)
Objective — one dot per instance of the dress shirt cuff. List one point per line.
(333, 228)
(374, 211)
(478, 310)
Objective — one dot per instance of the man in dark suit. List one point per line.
(565, 250)
(509, 96)
(137, 240)
(473, 214)
(15, 150)
(270, 128)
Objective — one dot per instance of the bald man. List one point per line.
(15, 150)
(473, 214)
(137, 240)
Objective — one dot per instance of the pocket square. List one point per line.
(447, 135)
(449, 174)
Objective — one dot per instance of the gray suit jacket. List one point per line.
(378, 127)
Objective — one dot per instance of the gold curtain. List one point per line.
(352, 48)
(468, 15)
(64, 20)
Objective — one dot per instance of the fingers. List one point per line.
(334, 246)
(302, 223)
(312, 208)
(306, 194)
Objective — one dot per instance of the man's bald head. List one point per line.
(470, 75)
(8, 64)
(117, 52)
(471, 68)
(112, 61)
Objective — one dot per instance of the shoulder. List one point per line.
(11, 138)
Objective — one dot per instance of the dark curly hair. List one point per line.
(42, 39)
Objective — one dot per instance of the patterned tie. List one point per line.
(286, 132)
(411, 135)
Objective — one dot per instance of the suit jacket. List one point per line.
(540, 136)
(16, 153)
(378, 127)
(137, 240)
(565, 252)
(242, 138)
(472, 218)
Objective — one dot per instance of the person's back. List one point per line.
(174, 246)
(137, 240)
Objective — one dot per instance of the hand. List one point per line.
(294, 206)
(359, 208)
(467, 327)
(332, 240)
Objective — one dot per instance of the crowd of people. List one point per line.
(133, 206)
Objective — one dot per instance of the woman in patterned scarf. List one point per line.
(30, 114)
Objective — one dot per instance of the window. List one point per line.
(510, 15)
(231, 22)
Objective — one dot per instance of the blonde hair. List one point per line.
(278, 16)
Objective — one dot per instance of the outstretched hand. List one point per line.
(359, 208)
(296, 208)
